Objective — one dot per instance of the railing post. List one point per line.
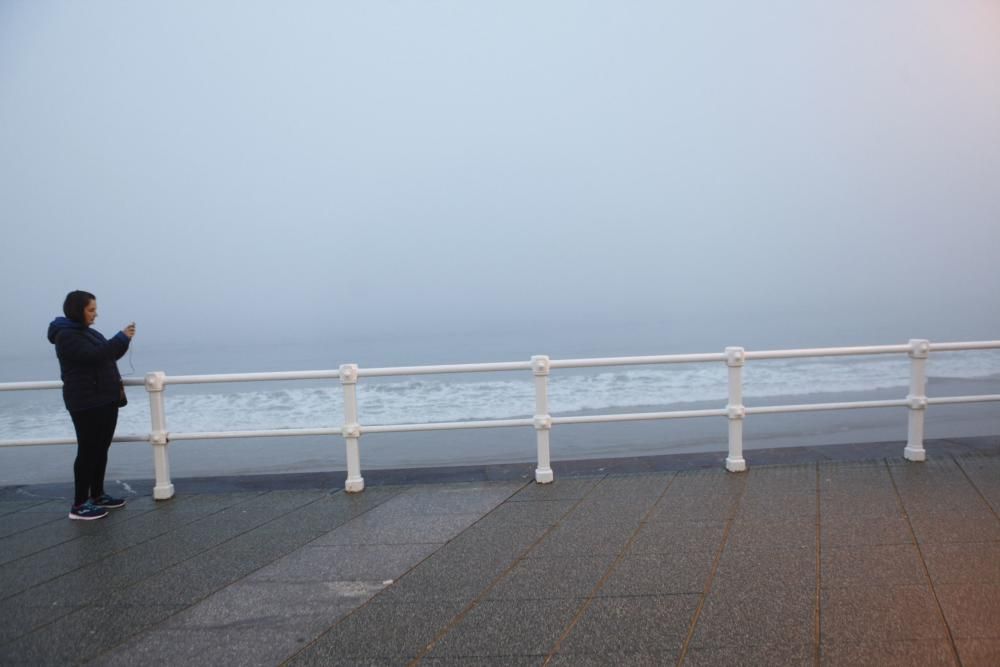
(543, 421)
(735, 358)
(155, 383)
(351, 430)
(914, 451)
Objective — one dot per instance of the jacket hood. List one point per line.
(60, 323)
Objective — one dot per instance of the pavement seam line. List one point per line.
(711, 575)
(489, 587)
(818, 618)
(600, 583)
(972, 483)
(923, 564)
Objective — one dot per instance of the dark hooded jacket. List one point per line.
(87, 363)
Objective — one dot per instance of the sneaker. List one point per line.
(87, 511)
(107, 502)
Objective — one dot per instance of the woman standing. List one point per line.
(92, 392)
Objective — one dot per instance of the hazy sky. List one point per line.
(287, 169)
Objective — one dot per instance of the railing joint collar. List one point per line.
(348, 374)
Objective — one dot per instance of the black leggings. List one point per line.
(94, 429)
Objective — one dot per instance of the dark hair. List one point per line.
(76, 302)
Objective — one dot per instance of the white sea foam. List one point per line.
(507, 395)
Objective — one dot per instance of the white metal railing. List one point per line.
(540, 366)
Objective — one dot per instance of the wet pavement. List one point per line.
(829, 559)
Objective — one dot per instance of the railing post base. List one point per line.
(165, 492)
(354, 485)
(544, 475)
(914, 453)
(736, 464)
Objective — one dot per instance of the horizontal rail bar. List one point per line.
(445, 368)
(272, 433)
(639, 416)
(635, 361)
(67, 441)
(526, 365)
(945, 400)
(446, 426)
(251, 377)
(972, 345)
(817, 407)
(22, 386)
(827, 352)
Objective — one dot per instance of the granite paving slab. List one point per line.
(551, 578)
(507, 627)
(672, 537)
(780, 615)
(380, 630)
(776, 531)
(867, 615)
(256, 646)
(860, 504)
(500, 543)
(566, 489)
(762, 507)
(458, 499)
(645, 624)
(702, 507)
(367, 562)
(384, 525)
(968, 563)
(609, 659)
(764, 570)
(787, 655)
(17, 620)
(528, 513)
(82, 634)
(862, 530)
(268, 604)
(984, 473)
(38, 569)
(486, 661)
(922, 652)
(882, 565)
(706, 481)
(18, 522)
(971, 610)
(583, 538)
(9, 506)
(979, 652)
(972, 525)
(659, 574)
(446, 577)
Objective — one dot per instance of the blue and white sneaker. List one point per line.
(87, 511)
(107, 502)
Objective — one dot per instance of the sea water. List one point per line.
(445, 398)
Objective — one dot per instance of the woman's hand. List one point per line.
(129, 330)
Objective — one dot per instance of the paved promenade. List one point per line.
(832, 562)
